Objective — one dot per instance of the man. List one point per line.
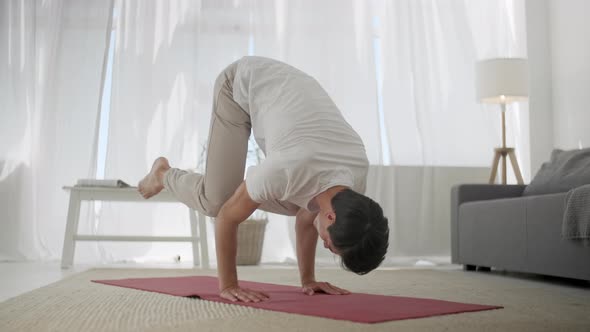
(315, 169)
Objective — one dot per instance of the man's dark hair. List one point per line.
(360, 232)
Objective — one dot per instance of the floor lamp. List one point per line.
(502, 81)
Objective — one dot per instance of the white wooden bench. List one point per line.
(130, 194)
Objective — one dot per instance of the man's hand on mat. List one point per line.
(312, 287)
(237, 293)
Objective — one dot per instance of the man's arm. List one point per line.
(307, 238)
(239, 207)
(306, 241)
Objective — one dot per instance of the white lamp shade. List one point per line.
(502, 80)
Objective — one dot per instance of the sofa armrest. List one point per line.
(475, 192)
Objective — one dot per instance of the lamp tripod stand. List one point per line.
(501, 153)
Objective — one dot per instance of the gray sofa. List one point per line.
(495, 226)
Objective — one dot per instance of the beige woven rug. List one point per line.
(76, 304)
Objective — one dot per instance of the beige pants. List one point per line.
(226, 154)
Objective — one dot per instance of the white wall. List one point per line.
(570, 66)
(558, 40)
(540, 88)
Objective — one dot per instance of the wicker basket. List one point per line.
(250, 240)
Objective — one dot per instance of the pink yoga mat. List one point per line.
(356, 307)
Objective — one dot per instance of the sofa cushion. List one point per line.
(493, 233)
(548, 252)
(565, 170)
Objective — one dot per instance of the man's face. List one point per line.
(321, 223)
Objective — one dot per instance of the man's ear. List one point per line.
(331, 216)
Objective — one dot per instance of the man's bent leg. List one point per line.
(226, 154)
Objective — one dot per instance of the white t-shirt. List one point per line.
(309, 146)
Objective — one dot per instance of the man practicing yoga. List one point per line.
(315, 169)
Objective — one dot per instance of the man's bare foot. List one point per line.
(153, 182)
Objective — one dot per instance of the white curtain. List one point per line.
(401, 71)
(165, 60)
(340, 56)
(435, 126)
(429, 49)
(51, 61)
(203, 38)
(152, 98)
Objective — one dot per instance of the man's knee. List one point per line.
(208, 208)
(212, 211)
(202, 205)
